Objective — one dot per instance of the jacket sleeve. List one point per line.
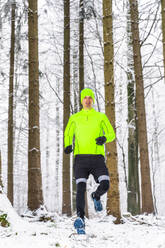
(69, 132)
(108, 130)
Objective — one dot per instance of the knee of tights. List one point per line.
(105, 185)
(81, 187)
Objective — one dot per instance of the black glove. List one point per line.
(68, 149)
(101, 140)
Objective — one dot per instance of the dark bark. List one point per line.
(10, 110)
(35, 195)
(113, 200)
(163, 30)
(133, 170)
(81, 47)
(147, 200)
(66, 204)
(1, 183)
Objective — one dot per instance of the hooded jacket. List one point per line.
(85, 126)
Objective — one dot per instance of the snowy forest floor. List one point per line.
(143, 231)
(148, 231)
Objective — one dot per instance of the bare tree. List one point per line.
(113, 200)
(35, 195)
(1, 183)
(58, 148)
(76, 100)
(147, 200)
(133, 170)
(10, 109)
(66, 204)
(163, 30)
(81, 46)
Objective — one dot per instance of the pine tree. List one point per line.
(113, 200)
(35, 195)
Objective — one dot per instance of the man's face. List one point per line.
(87, 102)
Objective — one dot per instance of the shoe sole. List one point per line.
(97, 209)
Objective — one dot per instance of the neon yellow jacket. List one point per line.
(86, 126)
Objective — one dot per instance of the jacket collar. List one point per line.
(88, 111)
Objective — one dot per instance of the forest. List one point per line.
(50, 51)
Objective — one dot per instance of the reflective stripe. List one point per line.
(103, 177)
(79, 180)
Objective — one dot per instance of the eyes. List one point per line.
(88, 98)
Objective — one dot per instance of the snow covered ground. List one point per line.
(146, 232)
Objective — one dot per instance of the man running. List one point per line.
(91, 130)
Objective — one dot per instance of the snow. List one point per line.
(34, 149)
(147, 231)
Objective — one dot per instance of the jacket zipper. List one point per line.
(87, 117)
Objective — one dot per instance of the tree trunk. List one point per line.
(147, 201)
(48, 198)
(76, 104)
(81, 47)
(1, 23)
(163, 30)
(113, 200)
(66, 205)
(73, 193)
(81, 69)
(35, 195)
(58, 150)
(75, 75)
(10, 109)
(133, 171)
(1, 183)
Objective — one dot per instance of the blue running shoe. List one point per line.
(79, 225)
(97, 203)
